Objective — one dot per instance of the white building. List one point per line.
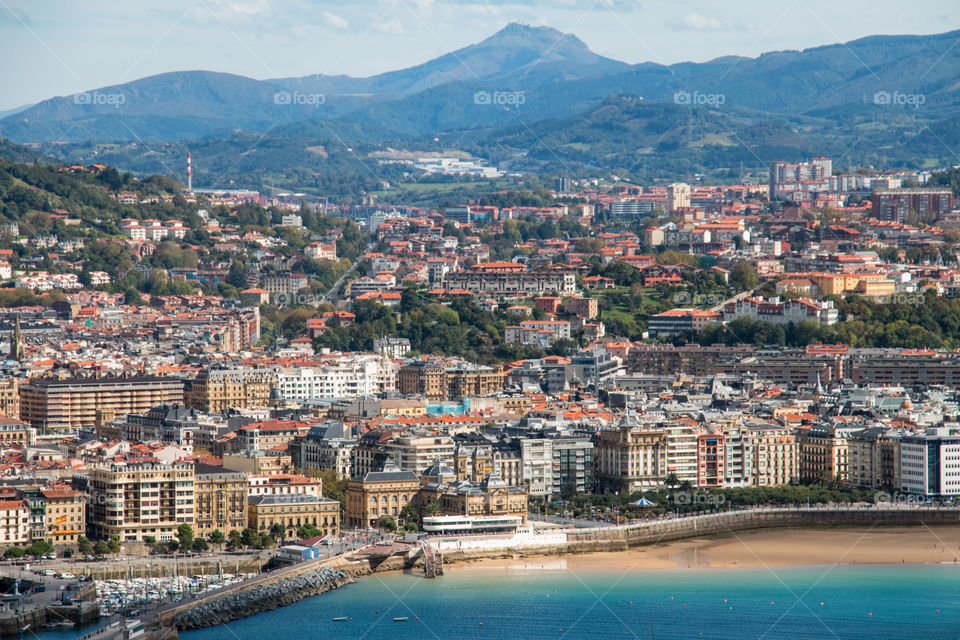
(775, 311)
(349, 376)
(930, 464)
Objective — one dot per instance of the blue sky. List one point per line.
(59, 47)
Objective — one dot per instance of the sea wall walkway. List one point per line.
(665, 529)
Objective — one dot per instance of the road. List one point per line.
(739, 296)
(336, 285)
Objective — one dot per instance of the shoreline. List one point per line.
(747, 549)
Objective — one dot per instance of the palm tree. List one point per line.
(671, 480)
(433, 509)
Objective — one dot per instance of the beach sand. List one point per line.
(795, 547)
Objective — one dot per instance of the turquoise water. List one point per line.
(777, 603)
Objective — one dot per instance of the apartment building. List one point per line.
(928, 205)
(511, 278)
(679, 321)
(65, 516)
(133, 501)
(631, 457)
(220, 500)
(776, 311)
(217, 390)
(15, 432)
(822, 452)
(10, 397)
(328, 445)
(283, 484)
(14, 522)
(66, 404)
(873, 458)
(775, 456)
(347, 377)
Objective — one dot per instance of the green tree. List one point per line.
(185, 536)
(278, 531)
(235, 539)
(308, 531)
(84, 545)
(743, 276)
(199, 544)
(113, 544)
(216, 537)
(101, 548)
(14, 552)
(250, 537)
(387, 522)
(39, 548)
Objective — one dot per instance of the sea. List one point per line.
(838, 602)
(831, 602)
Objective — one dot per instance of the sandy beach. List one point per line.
(795, 547)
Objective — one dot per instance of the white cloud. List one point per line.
(392, 27)
(695, 22)
(335, 21)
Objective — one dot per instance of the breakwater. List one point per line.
(261, 598)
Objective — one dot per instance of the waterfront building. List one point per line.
(220, 500)
(136, 500)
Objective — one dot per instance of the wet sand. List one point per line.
(794, 547)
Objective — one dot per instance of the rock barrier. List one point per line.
(262, 598)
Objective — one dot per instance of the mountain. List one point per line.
(535, 98)
(838, 81)
(162, 107)
(516, 53)
(195, 104)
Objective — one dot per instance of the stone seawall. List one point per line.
(619, 538)
(262, 598)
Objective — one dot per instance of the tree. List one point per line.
(200, 544)
(14, 552)
(185, 536)
(216, 537)
(743, 276)
(149, 540)
(671, 480)
(250, 538)
(388, 523)
(278, 531)
(84, 545)
(101, 548)
(433, 509)
(39, 548)
(113, 544)
(235, 539)
(308, 531)
(411, 527)
(266, 541)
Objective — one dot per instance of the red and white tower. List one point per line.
(189, 174)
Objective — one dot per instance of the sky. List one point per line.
(60, 47)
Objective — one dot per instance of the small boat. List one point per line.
(340, 619)
(401, 619)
